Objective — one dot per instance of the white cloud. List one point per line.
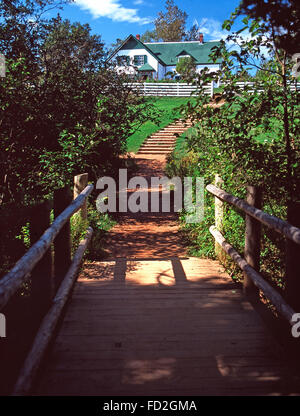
(137, 2)
(113, 10)
(212, 28)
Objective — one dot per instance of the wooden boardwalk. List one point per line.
(152, 321)
(165, 327)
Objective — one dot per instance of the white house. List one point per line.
(156, 59)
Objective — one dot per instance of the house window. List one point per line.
(140, 60)
(183, 56)
(123, 60)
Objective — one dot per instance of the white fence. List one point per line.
(178, 89)
(249, 84)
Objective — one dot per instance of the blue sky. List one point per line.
(114, 19)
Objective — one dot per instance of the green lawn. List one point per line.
(168, 109)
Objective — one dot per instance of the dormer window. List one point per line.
(182, 57)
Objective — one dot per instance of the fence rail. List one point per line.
(12, 281)
(295, 86)
(178, 89)
(250, 264)
(50, 289)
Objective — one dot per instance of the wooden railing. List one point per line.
(51, 289)
(253, 281)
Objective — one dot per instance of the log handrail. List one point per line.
(281, 226)
(281, 305)
(34, 358)
(12, 281)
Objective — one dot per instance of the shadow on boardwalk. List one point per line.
(163, 327)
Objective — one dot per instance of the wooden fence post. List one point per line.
(80, 182)
(62, 243)
(219, 214)
(42, 286)
(252, 239)
(293, 260)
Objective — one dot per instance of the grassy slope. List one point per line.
(167, 108)
(181, 148)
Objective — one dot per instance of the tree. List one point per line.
(281, 17)
(115, 45)
(170, 25)
(257, 128)
(186, 67)
(192, 34)
(62, 109)
(149, 36)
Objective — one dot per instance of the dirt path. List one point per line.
(146, 235)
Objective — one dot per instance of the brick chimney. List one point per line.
(201, 37)
(138, 37)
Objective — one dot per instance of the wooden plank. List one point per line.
(142, 340)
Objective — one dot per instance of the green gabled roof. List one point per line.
(146, 67)
(131, 42)
(169, 51)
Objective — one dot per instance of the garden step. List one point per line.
(156, 148)
(164, 140)
(154, 152)
(159, 141)
(169, 141)
(166, 135)
(163, 137)
(150, 149)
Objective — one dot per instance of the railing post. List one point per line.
(219, 214)
(42, 286)
(252, 239)
(62, 243)
(293, 260)
(80, 182)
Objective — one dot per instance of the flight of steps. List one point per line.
(163, 141)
